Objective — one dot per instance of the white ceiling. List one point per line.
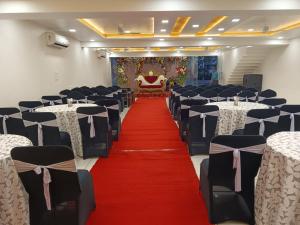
(145, 17)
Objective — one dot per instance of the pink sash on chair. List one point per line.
(5, 117)
(261, 122)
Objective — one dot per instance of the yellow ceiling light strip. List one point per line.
(92, 26)
(179, 25)
(142, 35)
(194, 49)
(288, 27)
(215, 21)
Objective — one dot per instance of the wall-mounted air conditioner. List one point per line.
(101, 54)
(55, 40)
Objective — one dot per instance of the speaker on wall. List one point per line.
(253, 81)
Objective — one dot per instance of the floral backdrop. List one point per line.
(182, 70)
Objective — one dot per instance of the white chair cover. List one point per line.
(247, 99)
(113, 107)
(52, 102)
(261, 122)
(23, 108)
(217, 148)
(292, 117)
(49, 123)
(38, 169)
(225, 98)
(203, 116)
(5, 117)
(91, 120)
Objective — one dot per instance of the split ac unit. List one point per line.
(101, 54)
(55, 40)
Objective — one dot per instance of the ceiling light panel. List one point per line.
(179, 25)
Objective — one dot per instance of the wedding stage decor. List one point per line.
(151, 83)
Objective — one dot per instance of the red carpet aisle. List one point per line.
(148, 178)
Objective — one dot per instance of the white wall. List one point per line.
(30, 69)
(281, 70)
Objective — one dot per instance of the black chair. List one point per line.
(71, 192)
(29, 106)
(247, 96)
(175, 104)
(51, 100)
(113, 110)
(210, 95)
(202, 128)
(289, 119)
(95, 131)
(274, 102)
(227, 94)
(42, 129)
(262, 122)
(64, 95)
(266, 94)
(227, 195)
(11, 122)
(183, 114)
(77, 97)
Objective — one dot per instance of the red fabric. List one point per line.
(150, 86)
(152, 185)
(151, 79)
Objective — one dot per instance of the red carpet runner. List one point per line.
(148, 178)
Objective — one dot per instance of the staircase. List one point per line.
(248, 60)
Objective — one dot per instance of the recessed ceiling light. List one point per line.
(221, 29)
(72, 30)
(127, 31)
(92, 40)
(181, 47)
(250, 29)
(249, 46)
(165, 21)
(178, 51)
(235, 20)
(163, 30)
(280, 38)
(228, 46)
(195, 25)
(210, 38)
(161, 39)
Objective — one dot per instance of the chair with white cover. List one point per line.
(262, 122)
(113, 110)
(247, 96)
(227, 178)
(50, 100)
(29, 106)
(42, 129)
(58, 192)
(269, 93)
(183, 114)
(289, 119)
(11, 122)
(274, 102)
(95, 130)
(202, 128)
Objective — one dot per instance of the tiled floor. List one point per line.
(88, 164)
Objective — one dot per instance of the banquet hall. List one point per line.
(149, 112)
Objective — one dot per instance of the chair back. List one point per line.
(77, 97)
(227, 94)
(234, 162)
(274, 102)
(94, 125)
(29, 106)
(51, 100)
(202, 123)
(186, 104)
(11, 122)
(247, 96)
(49, 176)
(267, 94)
(210, 95)
(42, 128)
(289, 119)
(262, 122)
